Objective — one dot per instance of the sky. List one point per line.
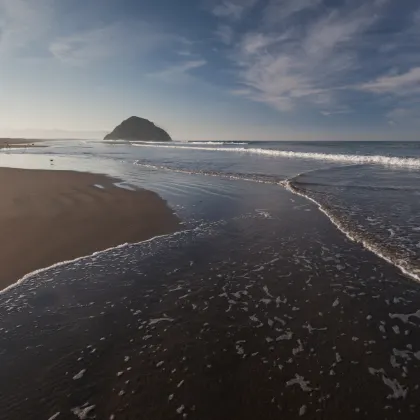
(212, 69)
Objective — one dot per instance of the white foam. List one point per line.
(404, 162)
(363, 241)
(124, 186)
(264, 213)
(398, 391)
(300, 380)
(180, 409)
(157, 320)
(302, 410)
(405, 317)
(79, 375)
(287, 336)
(67, 262)
(83, 413)
(237, 177)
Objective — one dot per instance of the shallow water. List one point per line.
(260, 307)
(371, 188)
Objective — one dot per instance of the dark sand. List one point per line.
(256, 318)
(52, 216)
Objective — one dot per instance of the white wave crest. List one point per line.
(403, 162)
(367, 243)
(216, 142)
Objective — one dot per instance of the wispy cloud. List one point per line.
(225, 34)
(303, 65)
(120, 39)
(318, 57)
(404, 116)
(179, 73)
(407, 83)
(279, 10)
(232, 9)
(253, 43)
(336, 29)
(23, 22)
(228, 10)
(87, 47)
(303, 62)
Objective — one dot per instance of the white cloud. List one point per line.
(232, 9)
(187, 66)
(303, 65)
(404, 116)
(228, 10)
(225, 34)
(399, 113)
(337, 111)
(185, 53)
(129, 39)
(273, 79)
(333, 30)
(400, 84)
(179, 73)
(253, 43)
(278, 10)
(86, 47)
(23, 22)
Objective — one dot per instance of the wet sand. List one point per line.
(52, 216)
(6, 143)
(257, 317)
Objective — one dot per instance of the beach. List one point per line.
(51, 216)
(277, 294)
(6, 143)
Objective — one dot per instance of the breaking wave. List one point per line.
(403, 162)
(359, 237)
(217, 142)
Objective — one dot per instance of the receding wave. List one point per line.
(263, 179)
(404, 162)
(359, 237)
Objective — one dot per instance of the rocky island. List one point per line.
(136, 128)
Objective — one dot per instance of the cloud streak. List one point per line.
(128, 40)
(23, 23)
(314, 57)
(407, 83)
(279, 10)
(179, 73)
(232, 9)
(301, 66)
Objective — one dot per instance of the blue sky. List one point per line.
(212, 69)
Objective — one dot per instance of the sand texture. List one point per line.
(50, 216)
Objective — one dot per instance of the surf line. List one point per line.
(288, 185)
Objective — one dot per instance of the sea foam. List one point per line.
(404, 162)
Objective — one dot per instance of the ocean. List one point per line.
(370, 190)
(291, 290)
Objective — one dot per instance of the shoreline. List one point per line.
(288, 185)
(188, 326)
(21, 280)
(11, 143)
(50, 217)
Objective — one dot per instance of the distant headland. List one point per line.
(136, 128)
